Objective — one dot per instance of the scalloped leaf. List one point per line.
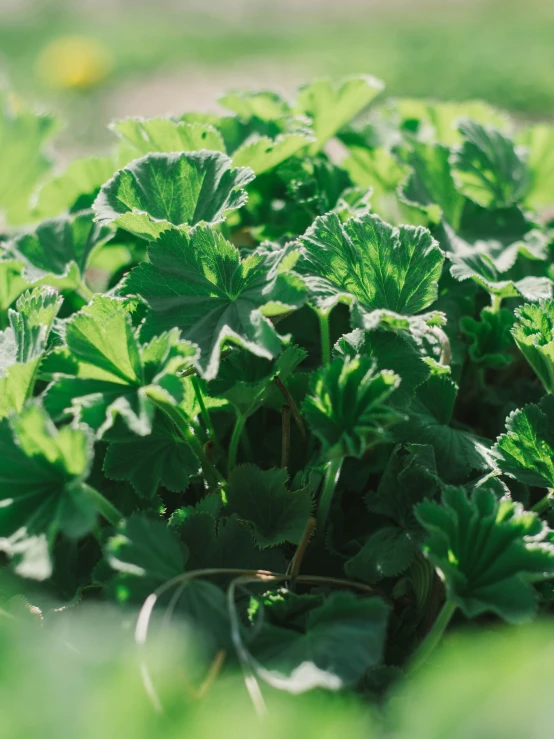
(488, 551)
(368, 262)
(112, 374)
(331, 107)
(181, 189)
(198, 283)
(348, 406)
(43, 493)
(261, 497)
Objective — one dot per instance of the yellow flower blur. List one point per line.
(74, 63)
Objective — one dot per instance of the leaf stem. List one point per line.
(234, 444)
(285, 436)
(544, 503)
(331, 478)
(203, 410)
(431, 641)
(283, 389)
(325, 338)
(84, 291)
(496, 302)
(106, 509)
(301, 551)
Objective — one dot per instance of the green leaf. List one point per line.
(488, 169)
(430, 182)
(264, 154)
(534, 336)
(225, 543)
(526, 451)
(58, 250)
(198, 283)
(144, 136)
(343, 638)
(182, 189)
(386, 553)
(267, 106)
(379, 171)
(262, 498)
(247, 381)
(490, 337)
(439, 121)
(487, 551)
(409, 477)
(389, 351)
(348, 406)
(458, 451)
(330, 108)
(22, 346)
(315, 185)
(162, 458)
(43, 472)
(146, 554)
(113, 374)
(367, 261)
(479, 264)
(146, 548)
(12, 284)
(76, 187)
(23, 136)
(539, 142)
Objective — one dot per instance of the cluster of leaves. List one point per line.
(290, 369)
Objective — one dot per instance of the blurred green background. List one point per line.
(133, 57)
(78, 675)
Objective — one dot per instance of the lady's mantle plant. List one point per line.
(299, 392)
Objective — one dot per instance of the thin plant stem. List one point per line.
(106, 509)
(203, 410)
(496, 302)
(431, 641)
(285, 436)
(301, 551)
(325, 338)
(331, 478)
(283, 389)
(213, 673)
(234, 444)
(544, 503)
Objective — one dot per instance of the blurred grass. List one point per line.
(500, 50)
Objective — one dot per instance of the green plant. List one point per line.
(258, 384)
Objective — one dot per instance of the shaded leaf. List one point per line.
(348, 406)
(199, 284)
(488, 551)
(262, 498)
(488, 169)
(43, 493)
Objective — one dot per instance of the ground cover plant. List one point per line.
(282, 376)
